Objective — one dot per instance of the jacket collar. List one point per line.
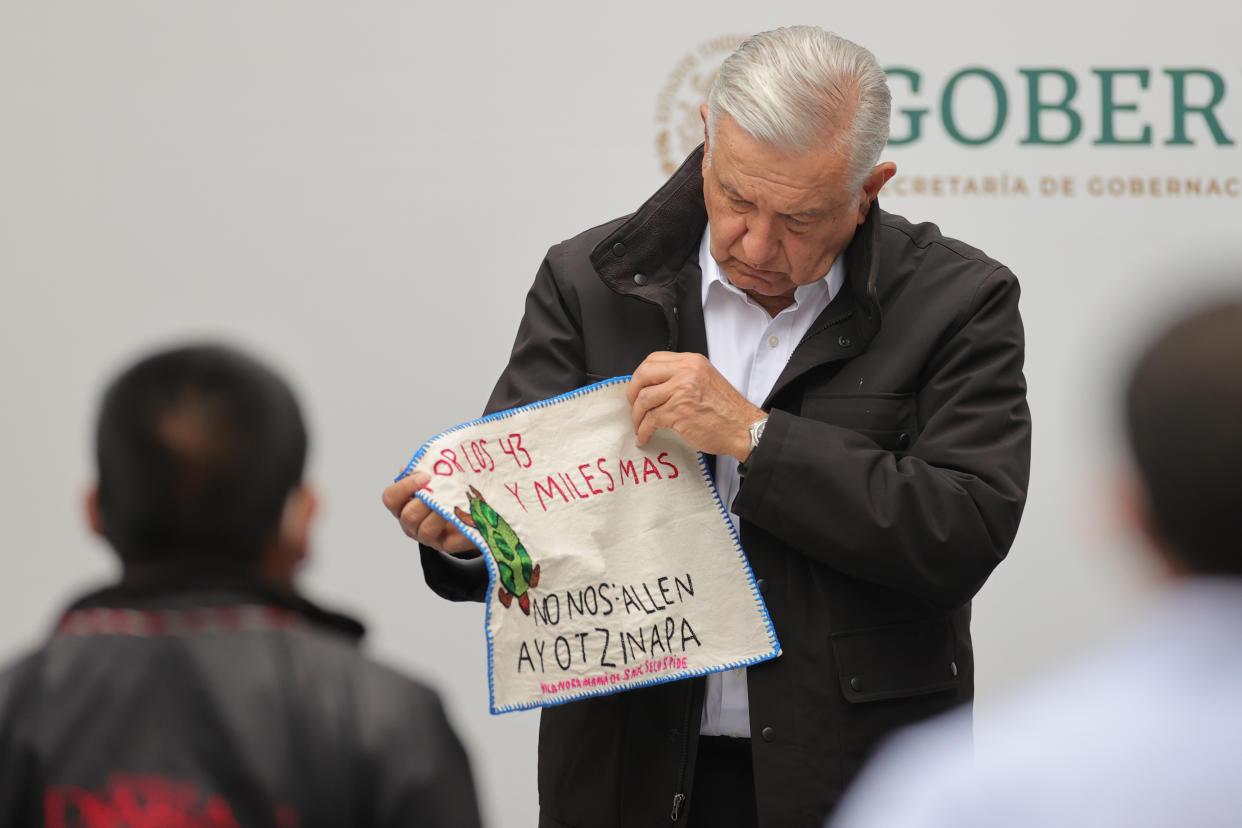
(645, 256)
(182, 588)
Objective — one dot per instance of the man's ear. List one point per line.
(94, 516)
(707, 139)
(295, 520)
(290, 543)
(875, 181)
(1134, 511)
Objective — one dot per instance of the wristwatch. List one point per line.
(756, 433)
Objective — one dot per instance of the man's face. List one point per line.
(778, 220)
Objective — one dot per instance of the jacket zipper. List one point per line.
(679, 797)
(830, 323)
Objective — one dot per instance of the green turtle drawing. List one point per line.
(517, 572)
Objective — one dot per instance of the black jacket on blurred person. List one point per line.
(220, 702)
(202, 690)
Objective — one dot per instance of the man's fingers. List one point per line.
(419, 521)
(456, 543)
(412, 518)
(640, 380)
(422, 523)
(656, 386)
(647, 400)
(644, 428)
(653, 370)
(438, 533)
(398, 494)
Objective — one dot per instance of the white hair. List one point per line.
(799, 87)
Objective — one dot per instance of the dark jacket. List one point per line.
(889, 482)
(225, 703)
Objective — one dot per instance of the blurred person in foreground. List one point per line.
(1149, 731)
(202, 689)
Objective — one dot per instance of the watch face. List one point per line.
(756, 431)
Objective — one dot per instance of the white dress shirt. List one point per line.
(750, 349)
(1146, 734)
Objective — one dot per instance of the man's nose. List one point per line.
(760, 242)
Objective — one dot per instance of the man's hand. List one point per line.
(420, 522)
(686, 393)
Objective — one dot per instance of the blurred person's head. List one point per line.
(200, 454)
(1183, 408)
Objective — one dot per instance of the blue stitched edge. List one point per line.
(493, 575)
(504, 415)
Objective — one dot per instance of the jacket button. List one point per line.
(618, 250)
(903, 440)
(855, 684)
(640, 279)
(953, 667)
(762, 583)
(768, 734)
(844, 341)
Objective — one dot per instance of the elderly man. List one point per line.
(1146, 733)
(858, 379)
(202, 689)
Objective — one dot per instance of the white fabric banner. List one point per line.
(610, 566)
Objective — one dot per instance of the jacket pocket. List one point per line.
(889, 420)
(896, 661)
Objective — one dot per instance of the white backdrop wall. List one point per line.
(361, 193)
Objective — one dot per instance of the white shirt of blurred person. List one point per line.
(1148, 732)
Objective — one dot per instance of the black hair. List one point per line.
(1184, 416)
(198, 449)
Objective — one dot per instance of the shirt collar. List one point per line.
(185, 586)
(713, 275)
